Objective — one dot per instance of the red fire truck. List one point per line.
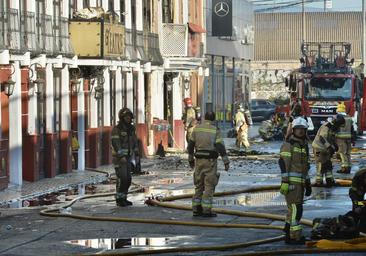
(324, 80)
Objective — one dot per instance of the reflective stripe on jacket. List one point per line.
(295, 155)
(345, 131)
(125, 141)
(206, 138)
(324, 138)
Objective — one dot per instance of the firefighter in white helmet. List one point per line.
(324, 146)
(294, 164)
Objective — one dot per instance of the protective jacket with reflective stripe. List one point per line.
(345, 131)
(189, 117)
(294, 161)
(324, 138)
(239, 120)
(124, 139)
(206, 140)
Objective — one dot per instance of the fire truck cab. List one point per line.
(324, 80)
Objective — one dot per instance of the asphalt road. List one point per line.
(25, 232)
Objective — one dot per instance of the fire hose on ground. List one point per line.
(162, 202)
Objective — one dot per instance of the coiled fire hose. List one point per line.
(163, 203)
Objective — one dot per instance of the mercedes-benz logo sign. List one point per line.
(222, 9)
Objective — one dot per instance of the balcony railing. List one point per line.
(28, 35)
(45, 34)
(174, 42)
(131, 52)
(153, 49)
(177, 41)
(10, 35)
(140, 46)
(63, 38)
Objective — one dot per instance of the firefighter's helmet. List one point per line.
(124, 112)
(339, 120)
(341, 108)
(188, 102)
(300, 122)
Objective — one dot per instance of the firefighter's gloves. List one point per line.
(285, 188)
(227, 165)
(308, 189)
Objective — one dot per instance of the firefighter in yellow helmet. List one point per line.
(344, 139)
(124, 151)
(205, 145)
(294, 164)
(324, 147)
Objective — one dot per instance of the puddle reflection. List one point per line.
(170, 181)
(255, 199)
(133, 242)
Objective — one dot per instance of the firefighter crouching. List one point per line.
(324, 147)
(344, 140)
(189, 118)
(205, 145)
(357, 194)
(294, 164)
(124, 151)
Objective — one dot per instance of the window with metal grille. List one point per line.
(99, 3)
(167, 11)
(122, 10)
(4, 6)
(86, 3)
(56, 24)
(72, 8)
(133, 13)
(147, 15)
(27, 28)
(40, 11)
(110, 5)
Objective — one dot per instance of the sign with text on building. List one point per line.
(113, 40)
(97, 39)
(222, 18)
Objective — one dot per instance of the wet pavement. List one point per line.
(24, 232)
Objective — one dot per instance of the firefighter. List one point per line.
(357, 194)
(241, 127)
(294, 164)
(324, 147)
(189, 118)
(205, 145)
(344, 140)
(124, 151)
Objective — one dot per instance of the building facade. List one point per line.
(228, 60)
(68, 66)
(63, 75)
